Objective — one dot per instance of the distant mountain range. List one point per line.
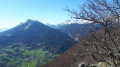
(27, 40)
(75, 29)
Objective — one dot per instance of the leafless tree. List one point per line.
(103, 45)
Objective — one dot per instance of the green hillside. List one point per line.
(19, 55)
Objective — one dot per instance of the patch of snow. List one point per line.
(75, 21)
(27, 27)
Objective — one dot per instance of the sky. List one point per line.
(14, 12)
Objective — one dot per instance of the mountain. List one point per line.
(36, 32)
(32, 43)
(75, 29)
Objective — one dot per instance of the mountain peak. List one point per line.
(31, 21)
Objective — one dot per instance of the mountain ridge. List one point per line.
(35, 30)
(32, 40)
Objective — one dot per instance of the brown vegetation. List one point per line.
(71, 58)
